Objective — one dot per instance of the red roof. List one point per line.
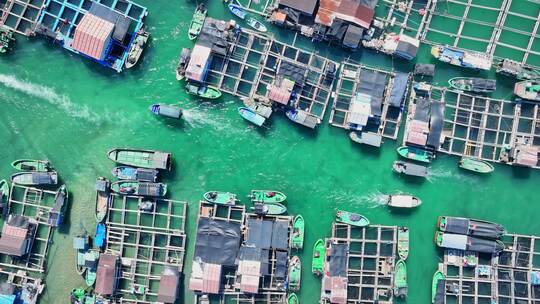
(338, 291)
(249, 284)
(92, 36)
(417, 138)
(278, 94)
(211, 278)
(347, 10)
(527, 156)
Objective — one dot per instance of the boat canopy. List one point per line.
(399, 88)
(102, 185)
(454, 241)
(150, 189)
(370, 138)
(217, 241)
(146, 174)
(170, 111)
(481, 84)
(281, 264)
(337, 260)
(436, 122)
(305, 119)
(403, 200)
(413, 169)
(424, 69)
(473, 227)
(161, 160)
(464, 242)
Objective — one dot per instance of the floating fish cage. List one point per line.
(369, 100)
(512, 276)
(20, 16)
(252, 263)
(148, 242)
(114, 22)
(368, 259)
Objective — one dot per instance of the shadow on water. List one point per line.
(65, 227)
(367, 150)
(521, 172)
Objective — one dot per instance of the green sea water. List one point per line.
(59, 106)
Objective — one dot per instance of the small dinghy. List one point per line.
(220, 198)
(166, 110)
(295, 273)
(297, 239)
(237, 10)
(251, 116)
(352, 219)
(197, 22)
(35, 178)
(403, 201)
(269, 208)
(205, 91)
(319, 252)
(138, 174)
(257, 25)
(32, 165)
(136, 49)
(267, 196)
(475, 165)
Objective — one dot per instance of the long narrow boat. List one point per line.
(251, 116)
(32, 165)
(103, 198)
(166, 110)
(35, 178)
(221, 198)
(81, 244)
(56, 214)
(475, 165)
(462, 58)
(295, 273)
(4, 196)
(303, 118)
(237, 10)
(416, 154)
(274, 208)
(409, 169)
(141, 158)
(465, 242)
(472, 227)
(292, 299)
(403, 243)
(100, 235)
(400, 279)
(437, 277)
(204, 91)
(257, 25)
(91, 259)
(267, 196)
(473, 84)
(319, 252)
(139, 174)
(197, 22)
(139, 188)
(352, 219)
(517, 69)
(183, 60)
(529, 90)
(136, 48)
(403, 201)
(297, 238)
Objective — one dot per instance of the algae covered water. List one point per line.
(58, 106)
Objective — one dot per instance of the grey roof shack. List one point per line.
(306, 7)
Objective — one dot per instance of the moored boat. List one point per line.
(221, 198)
(517, 69)
(400, 279)
(251, 116)
(35, 178)
(32, 165)
(267, 196)
(6, 38)
(438, 277)
(204, 91)
(138, 174)
(139, 188)
(136, 48)
(4, 197)
(292, 299)
(403, 201)
(416, 154)
(303, 118)
(81, 244)
(274, 208)
(462, 58)
(100, 235)
(297, 239)
(473, 84)
(295, 272)
(366, 138)
(529, 90)
(409, 169)
(472, 227)
(257, 25)
(319, 252)
(56, 214)
(237, 10)
(91, 259)
(103, 198)
(141, 158)
(475, 165)
(465, 242)
(352, 219)
(403, 243)
(197, 22)
(166, 110)
(183, 61)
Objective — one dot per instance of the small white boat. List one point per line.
(136, 49)
(403, 201)
(256, 24)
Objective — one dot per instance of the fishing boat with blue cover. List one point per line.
(462, 58)
(56, 214)
(303, 118)
(135, 174)
(100, 235)
(251, 116)
(472, 227)
(473, 84)
(237, 10)
(139, 188)
(197, 22)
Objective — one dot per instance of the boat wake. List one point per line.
(375, 199)
(48, 94)
(197, 118)
(371, 200)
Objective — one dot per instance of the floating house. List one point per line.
(17, 236)
(99, 30)
(168, 285)
(107, 274)
(198, 63)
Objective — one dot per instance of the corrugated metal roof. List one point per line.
(106, 274)
(417, 138)
(527, 156)
(338, 291)
(304, 6)
(92, 36)
(211, 278)
(249, 284)
(279, 95)
(347, 10)
(198, 62)
(325, 14)
(249, 268)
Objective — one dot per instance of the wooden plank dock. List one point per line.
(147, 242)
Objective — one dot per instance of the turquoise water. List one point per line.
(62, 107)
